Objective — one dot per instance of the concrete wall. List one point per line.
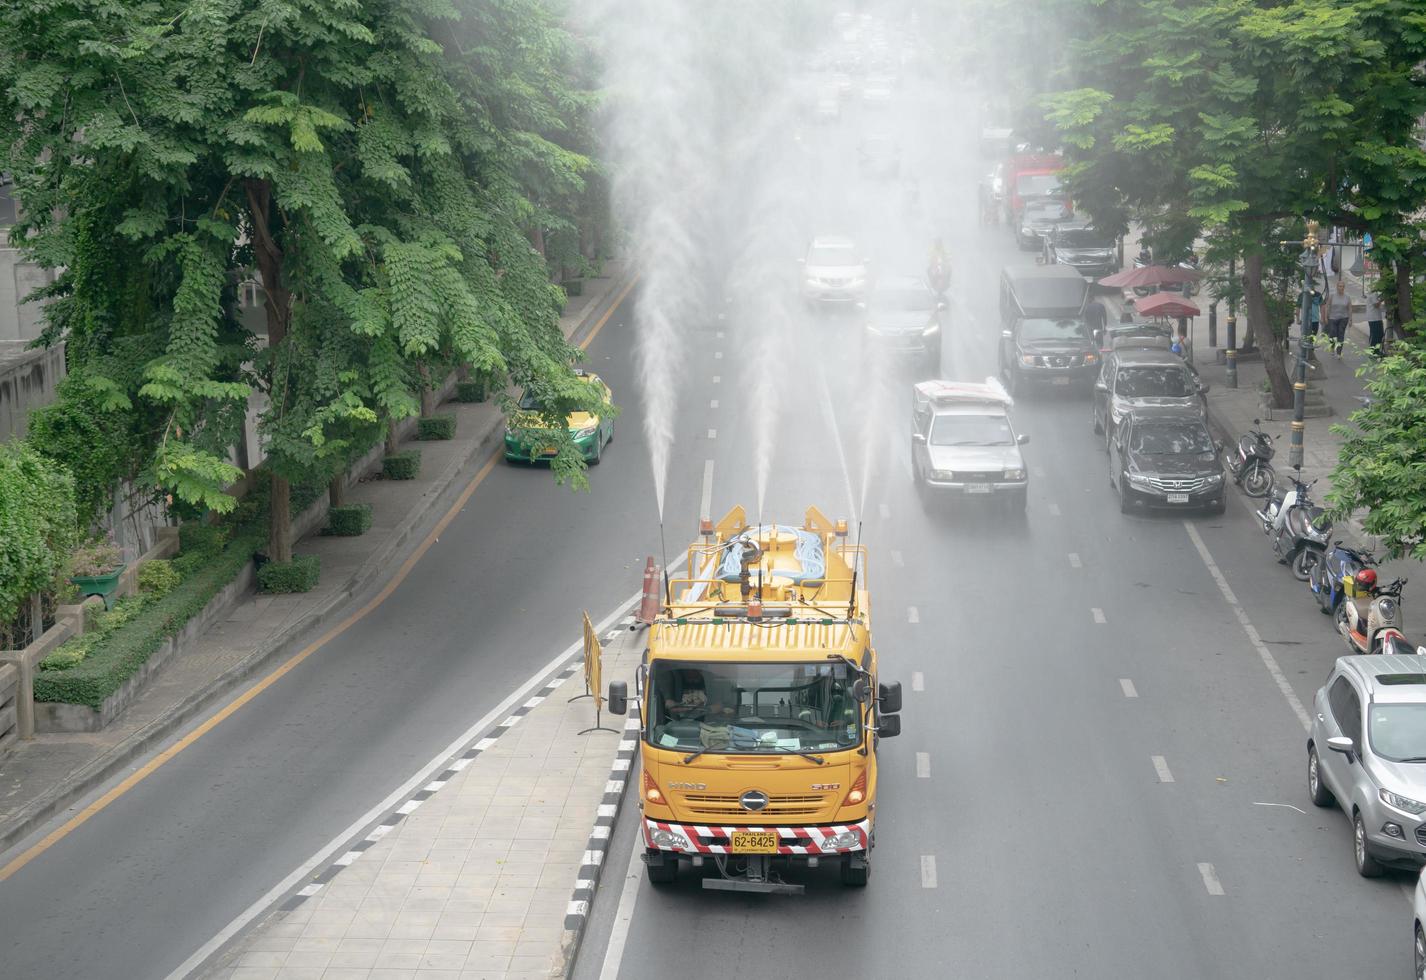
(27, 382)
(19, 320)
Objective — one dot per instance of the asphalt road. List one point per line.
(1065, 828)
(1058, 848)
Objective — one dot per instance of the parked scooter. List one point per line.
(1334, 576)
(1250, 465)
(1273, 513)
(1372, 620)
(1302, 542)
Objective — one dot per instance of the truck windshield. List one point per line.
(741, 708)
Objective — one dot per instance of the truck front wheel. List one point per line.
(662, 868)
(856, 869)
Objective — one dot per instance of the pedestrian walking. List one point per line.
(1375, 315)
(1339, 315)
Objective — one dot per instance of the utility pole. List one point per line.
(1230, 356)
(1309, 262)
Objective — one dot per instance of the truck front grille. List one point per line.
(704, 805)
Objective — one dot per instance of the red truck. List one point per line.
(1030, 175)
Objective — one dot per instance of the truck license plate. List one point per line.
(1178, 498)
(754, 842)
(1060, 381)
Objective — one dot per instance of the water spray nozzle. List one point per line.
(841, 527)
(705, 527)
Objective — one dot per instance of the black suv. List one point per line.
(1048, 350)
(1090, 253)
(1165, 458)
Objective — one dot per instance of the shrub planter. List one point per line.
(402, 466)
(104, 586)
(470, 391)
(435, 427)
(298, 575)
(573, 287)
(349, 521)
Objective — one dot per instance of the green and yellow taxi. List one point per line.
(528, 439)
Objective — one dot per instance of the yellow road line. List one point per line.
(148, 768)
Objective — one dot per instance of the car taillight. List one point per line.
(652, 793)
(857, 794)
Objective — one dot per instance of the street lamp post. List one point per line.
(1230, 356)
(1304, 347)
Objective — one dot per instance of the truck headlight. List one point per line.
(1402, 803)
(1027, 358)
(1015, 474)
(843, 840)
(667, 839)
(945, 474)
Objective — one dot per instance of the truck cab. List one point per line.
(761, 710)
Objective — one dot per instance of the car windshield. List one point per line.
(1398, 731)
(529, 403)
(913, 298)
(971, 430)
(1038, 328)
(1153, 382)
(1035, 184)
(833, 255)
(1171, 439)
(753, 708)
(1082, 238)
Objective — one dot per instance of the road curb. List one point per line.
(600, 837)
(108, 765)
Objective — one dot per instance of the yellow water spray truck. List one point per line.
(761, 709)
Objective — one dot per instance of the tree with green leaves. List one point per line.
(358, 157)
(1382, 467)
(37, 526)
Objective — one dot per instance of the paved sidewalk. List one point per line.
(484, 873)
(40, 777)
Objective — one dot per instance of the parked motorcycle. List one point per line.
(1274, 512)
(1372, 620)
(1302, 541)
(1332, 578)
(1250, 465)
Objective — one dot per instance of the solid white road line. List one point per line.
(1128, 686)
(1098, 614)
(1269, 661)
(1074, 561)
(912, 615)
(918, 681)
(928, 871)
(1162, 768)
(441, 760)
(1210, 879)
(896, 558)
(923, 765)
(623, 917)
(705, 503)
(1054, 510)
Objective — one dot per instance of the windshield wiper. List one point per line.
(807, 754)
(707, 748)
(1414, 758)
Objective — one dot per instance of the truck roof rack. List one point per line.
(990, 392)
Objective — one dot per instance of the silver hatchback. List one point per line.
(1367, 753)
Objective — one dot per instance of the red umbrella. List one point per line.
(1150, 275)
(1165, 304)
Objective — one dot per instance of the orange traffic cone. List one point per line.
(649, 605)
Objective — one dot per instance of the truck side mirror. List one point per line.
(889, 697)
(860, 694)
(1022, 438)
(889, 726)
(618, 697)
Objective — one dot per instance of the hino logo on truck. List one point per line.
(687, 785)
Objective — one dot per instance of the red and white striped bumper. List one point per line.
(661, 835)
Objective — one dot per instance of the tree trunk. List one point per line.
(393, 445)
(279, 542)
(1257, 306)
(537, 239)
(337, 490)
(428, 393)
(1404, 312)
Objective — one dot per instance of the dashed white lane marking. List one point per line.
(1074, 561)
(884, 510)
(1054, 510)
(896, 558)
(1098, 614)
(713, 403)
(918, 681)
(1269, 661)
(712, 433)
(717, 378)
(1210, 878)
(705, 504)
(1162, 768)
(720, 333)
(912, 615)
(928, 871)
(717, 355)
(923, 765)
(1128, 687)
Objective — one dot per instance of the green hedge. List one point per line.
(402, 466)
(298, 575)
(158, 577)
(115, 656)
(349, 521)
(432, 427)
(471, 391)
